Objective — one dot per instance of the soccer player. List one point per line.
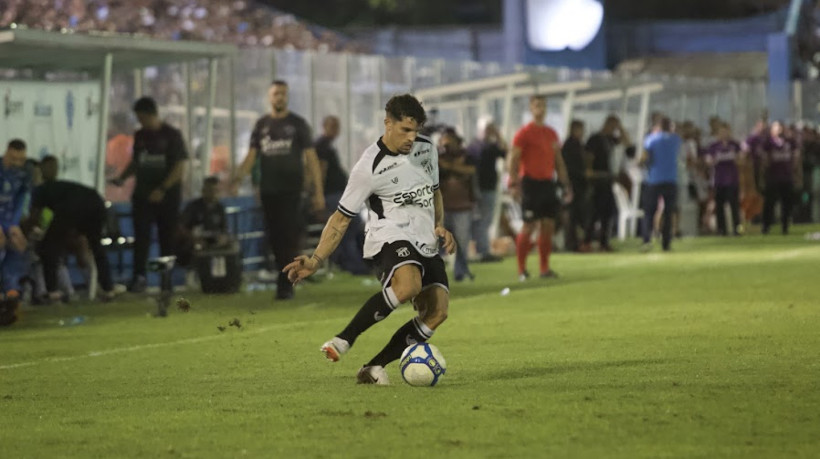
(397, 178)
(781, 163)
(78, 211)
(16, 183)
(533, 161)
(158, 164)
(661, 149)
(725, 156)
(283, 141)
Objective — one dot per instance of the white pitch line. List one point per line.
(141, 347)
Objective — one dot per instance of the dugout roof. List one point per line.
(41, 50)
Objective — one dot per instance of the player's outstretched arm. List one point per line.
(303, 266)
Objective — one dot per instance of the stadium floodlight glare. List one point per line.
(554, 25)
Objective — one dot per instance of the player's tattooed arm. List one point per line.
(438, 204)
(335, 229)
(446, 239)
(303, 266)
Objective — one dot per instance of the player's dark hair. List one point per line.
(576, 124)
(17, 144)
(145, 105)
(279, 83)
(212, 180)
(405, 105)
(666, 124)
(48, 159)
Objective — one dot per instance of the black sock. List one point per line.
(414, 331)
(374, 310)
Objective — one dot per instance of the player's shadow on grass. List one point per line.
(570, 367)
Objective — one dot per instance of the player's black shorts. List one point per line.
(539, 199)
(400, 253)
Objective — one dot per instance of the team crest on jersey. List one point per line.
(428, 166)
(403, 252)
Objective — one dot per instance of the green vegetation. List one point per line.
(708, 351)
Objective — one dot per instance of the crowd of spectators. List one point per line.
(736, 183)
(241, 22)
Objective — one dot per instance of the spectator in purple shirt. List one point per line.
(754, 144)
(724, 156)
(781, 160)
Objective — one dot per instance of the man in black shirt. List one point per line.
(485, 153)
(349, 254)
(78, 211)
(203, 223)
(334, 176)
(575, 159)
(284, 143)
(600, 147)
(159, 164)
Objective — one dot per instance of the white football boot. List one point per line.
(372, 375)
(334, 348)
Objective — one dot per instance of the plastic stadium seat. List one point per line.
(628, 214)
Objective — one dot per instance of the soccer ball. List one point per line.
(422, 365)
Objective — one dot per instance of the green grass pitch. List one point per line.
(708, 351)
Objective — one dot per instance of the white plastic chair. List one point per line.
(628, 214)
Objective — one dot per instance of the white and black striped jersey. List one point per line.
(398, 191)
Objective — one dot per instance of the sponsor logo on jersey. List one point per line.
(390, 167)
(428, 166)
(782, 156)
(727, 155)
(275, 147)
(421, 152)
(421, 196)
(403, 252)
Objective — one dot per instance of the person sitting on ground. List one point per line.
(203, 224)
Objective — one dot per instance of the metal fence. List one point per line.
(355, 88)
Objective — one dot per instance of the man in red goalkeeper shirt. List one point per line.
(533, 162)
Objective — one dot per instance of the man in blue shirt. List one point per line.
(15, 184)
(661, 148)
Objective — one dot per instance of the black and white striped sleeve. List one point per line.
(358, 189)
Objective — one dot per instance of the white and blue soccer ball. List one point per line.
(422, 365)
